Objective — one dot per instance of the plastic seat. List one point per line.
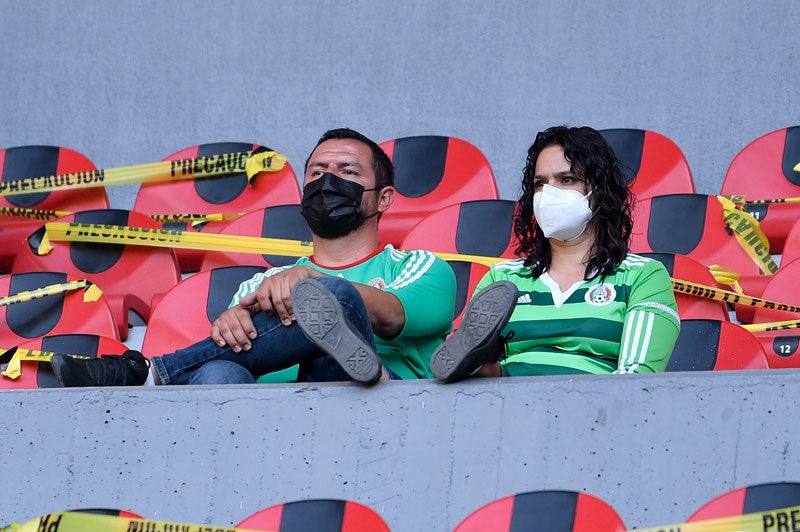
(468, 275)
(691, 225)
(791, 247)
(39, 375)
(319, 515)
(224, 194)
(764, 169)
(129, 275)
(652, 162)
(750, 499)
(184, 314)
(544, 511)
(714, 345)
(279, 221)
(688, 269)
(56, 314)
(37, 161)
(432, 172)
(480, 227)
(781, 347)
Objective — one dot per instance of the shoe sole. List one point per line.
(486, 314)
(320, 317)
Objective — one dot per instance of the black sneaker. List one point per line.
(478, 340)
(319, 315)
(128, 369)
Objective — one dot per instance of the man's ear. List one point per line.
(385, 199)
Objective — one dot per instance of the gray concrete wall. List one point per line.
(131, 82)
(422, 454)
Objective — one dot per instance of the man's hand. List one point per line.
(274, 294)
(235, 328)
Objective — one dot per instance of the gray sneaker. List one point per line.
(478, 340)
(128, 369)
(321, 318)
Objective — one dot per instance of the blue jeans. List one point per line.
(275, 347)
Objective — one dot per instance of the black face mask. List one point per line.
(332, 206)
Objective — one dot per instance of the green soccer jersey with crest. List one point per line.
(626, 322)
(423, 283)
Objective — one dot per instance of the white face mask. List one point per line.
(562, 214)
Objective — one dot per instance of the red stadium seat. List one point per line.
(432, 172)
(706, 345)
(468, 275)
(780, 346)
(319, 515)
(38, 161)
(687, 269)
(224, 194)
(791, 247)
(57, 314)
(765, 169)
(185, 313)
(130, 276)
(39, 375)
(480, 227)
(278, 221)
(692, 225)
(750, 499)
(553, 511)
(654, 165)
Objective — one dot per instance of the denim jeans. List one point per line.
(275, 347)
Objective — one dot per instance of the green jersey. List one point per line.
(627, 323)
(423, 283)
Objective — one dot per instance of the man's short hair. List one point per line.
(381, 164)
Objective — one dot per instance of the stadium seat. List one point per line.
(687, 269)
(184, 314)
(654, 165)
(781, 346)
(37, 161)
(57, 314)
(750, 499)
(765, 169)
(479, 227)
(544, 511)
(129, 275)
(319, 515)
(432, 172)
(714, 345)
(692, 225)
(40, 375)
(791, 247)
(279, 221)
(468, 275)
(213, 195)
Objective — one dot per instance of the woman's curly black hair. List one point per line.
(591, 159)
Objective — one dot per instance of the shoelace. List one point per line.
(504, 341)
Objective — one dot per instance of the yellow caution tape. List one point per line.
(772, 326)
(211, 166)
(141, 236)
(740, 200)
(174, 238)
(32, 214)
(215, 217)
(780, 520)
(749, 235)
(87, 522)
(796, 167)
(92, 292)
(14, 368)
(725, 276)
(717, 294)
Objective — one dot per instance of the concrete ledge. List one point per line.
(422, 454)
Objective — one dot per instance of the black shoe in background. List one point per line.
(128, 369)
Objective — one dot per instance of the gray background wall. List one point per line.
(131, 82)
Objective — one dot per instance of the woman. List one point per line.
(577, 301)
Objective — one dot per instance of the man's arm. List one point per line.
(385, 310)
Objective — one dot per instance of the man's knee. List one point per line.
(221, 372)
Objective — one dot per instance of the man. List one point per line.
(352, 311)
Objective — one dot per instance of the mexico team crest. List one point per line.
(378, 283)
(600, 295)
